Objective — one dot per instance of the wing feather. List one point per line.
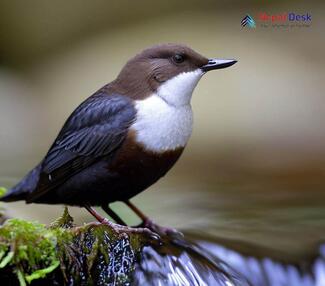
(94, 130)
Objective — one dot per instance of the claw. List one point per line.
(150, 236)
(161, 230)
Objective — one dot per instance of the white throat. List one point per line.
(178, 90)
(164, 119)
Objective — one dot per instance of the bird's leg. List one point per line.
(138, 212)
(148, 223)
(121, 229)
(97, 215)
(112, 214)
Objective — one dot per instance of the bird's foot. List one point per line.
(151, 236)
(161, 230)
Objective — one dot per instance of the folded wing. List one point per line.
(94, 130)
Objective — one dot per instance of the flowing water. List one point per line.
(206, 263)
(184, 263)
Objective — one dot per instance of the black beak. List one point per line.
(214, 64)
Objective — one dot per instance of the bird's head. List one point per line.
(169, 70)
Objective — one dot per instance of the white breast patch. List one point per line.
(160, 126)
(164, 119)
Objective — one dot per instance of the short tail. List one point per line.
(24, 187)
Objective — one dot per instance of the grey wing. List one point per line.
(95, 129)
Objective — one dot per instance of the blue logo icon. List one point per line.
(248, 21)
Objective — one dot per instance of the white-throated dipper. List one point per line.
(124, 137)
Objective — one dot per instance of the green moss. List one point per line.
(92, 254)
(29, 248)
(3, 190)
(64, 221)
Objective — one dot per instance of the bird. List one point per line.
(124, 137)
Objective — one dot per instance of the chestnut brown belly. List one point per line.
(139, 168)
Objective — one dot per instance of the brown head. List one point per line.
(148, 71)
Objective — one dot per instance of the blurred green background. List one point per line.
(254, 168)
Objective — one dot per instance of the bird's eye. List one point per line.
(178, 58)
